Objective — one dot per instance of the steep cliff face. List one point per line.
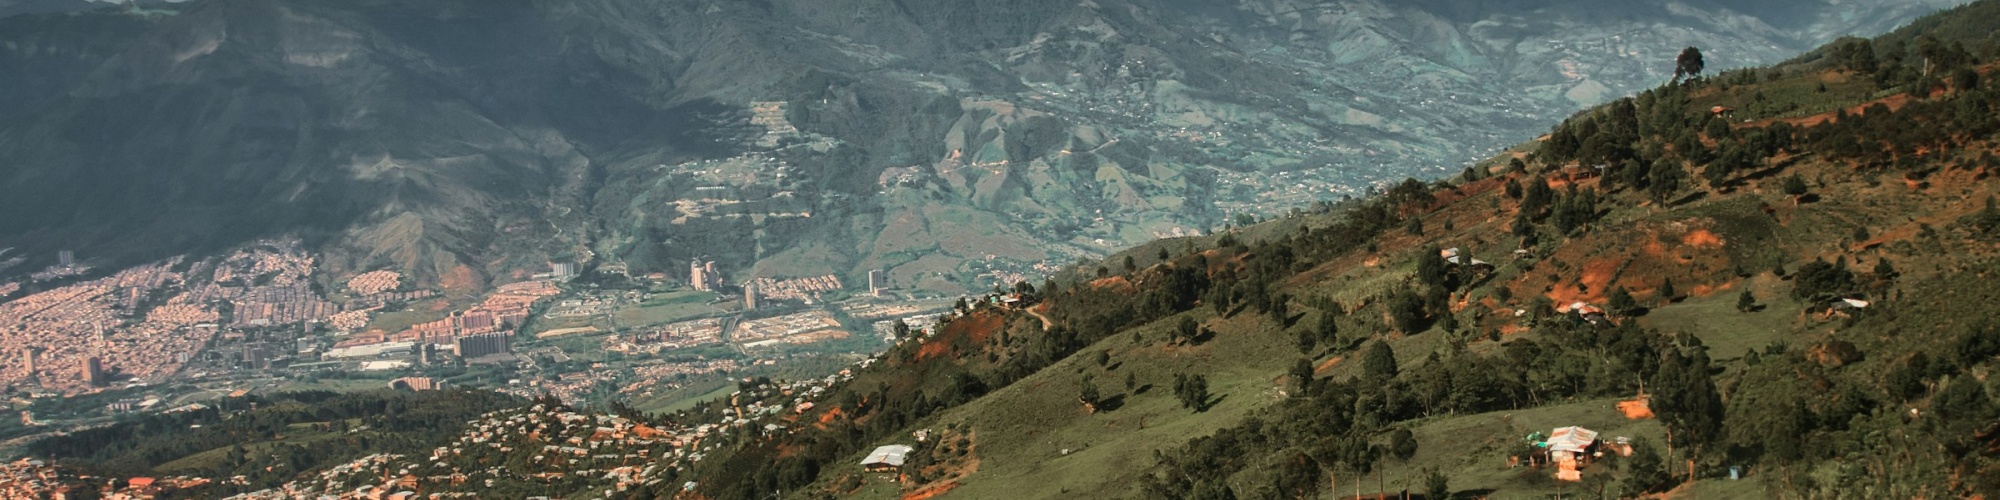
(497, 135)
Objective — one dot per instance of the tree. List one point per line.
(1883, 269)
(1302, 376)
(1664, 179)
(1087, 394)
(1379, 363)
(1131, 265)
(1328, 330)
(1431, 266)
(1280, 310)
(902, 330)
(1746, 302)
(1794, 185)
(1621, 302)
(1688, 64)
(1685, 398)
(1537, 197)
(1415, 226)
(1297, 477)
(1407, 310)
(1645, 470)
(1307, 340)
(1436, 485)
(1965, 79)
(1403, 444)
(1192, 390)
(1667, 291)
(1185, 330)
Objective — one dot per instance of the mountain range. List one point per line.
(467, 141)
(1769, 282)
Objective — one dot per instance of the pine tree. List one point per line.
(1746, 302)
(1621, 302)
(1379, 362)
(1301, 376)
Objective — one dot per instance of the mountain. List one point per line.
(463, 141)
(1759, 292)
(1766, 283)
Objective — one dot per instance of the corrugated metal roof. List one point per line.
(1571, 439)
(891, 455)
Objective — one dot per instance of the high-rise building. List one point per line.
(28, 358)
(750, 297)
(562, 269)
(66, 259)
(257, 355)
(93, 371)
(877, 282)
(697, 275)
(473, 346)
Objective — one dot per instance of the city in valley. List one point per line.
(81, 346)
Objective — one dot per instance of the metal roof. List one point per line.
(1571, 439)
(891, 455)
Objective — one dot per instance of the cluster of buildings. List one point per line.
(374, 282)
(50, 336)
(66, 266)
(771, 116)
(35, 479)
(672, 336)
(558, 444)
(799, 289)
(279, 305)
(702, 275)
(778, 327)
(507, 307)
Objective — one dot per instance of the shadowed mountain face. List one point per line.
(461, 140)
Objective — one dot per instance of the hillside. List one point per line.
(1781, 271)
(462, 142)
(1791, 287)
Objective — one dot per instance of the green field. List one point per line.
(668, 307)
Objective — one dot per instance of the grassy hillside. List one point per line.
(1724, 225)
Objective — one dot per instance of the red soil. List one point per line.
(1702, 238)
(1326, 365)
(931, 491)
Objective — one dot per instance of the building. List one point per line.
(414, 384)
(473, 346)
(28, 359)
(698, 274)
(257, 355)
(66, 259)
(750, 298)
(562, 269)
(93, 372)
(877, 282)
(1570, 449)
(383, 349)
(888, 458)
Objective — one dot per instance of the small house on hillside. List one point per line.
(1571, 448)
(888, 458)
(1595, 315)
(1845, 307)
(1454, 258)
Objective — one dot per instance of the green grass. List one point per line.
(1472, 449)
(402, 320)
(1727, 332)
(666, 308)
(1023, 429)
(295, 434)
(687, 397)
(335, 384)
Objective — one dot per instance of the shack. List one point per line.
(888, 458)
